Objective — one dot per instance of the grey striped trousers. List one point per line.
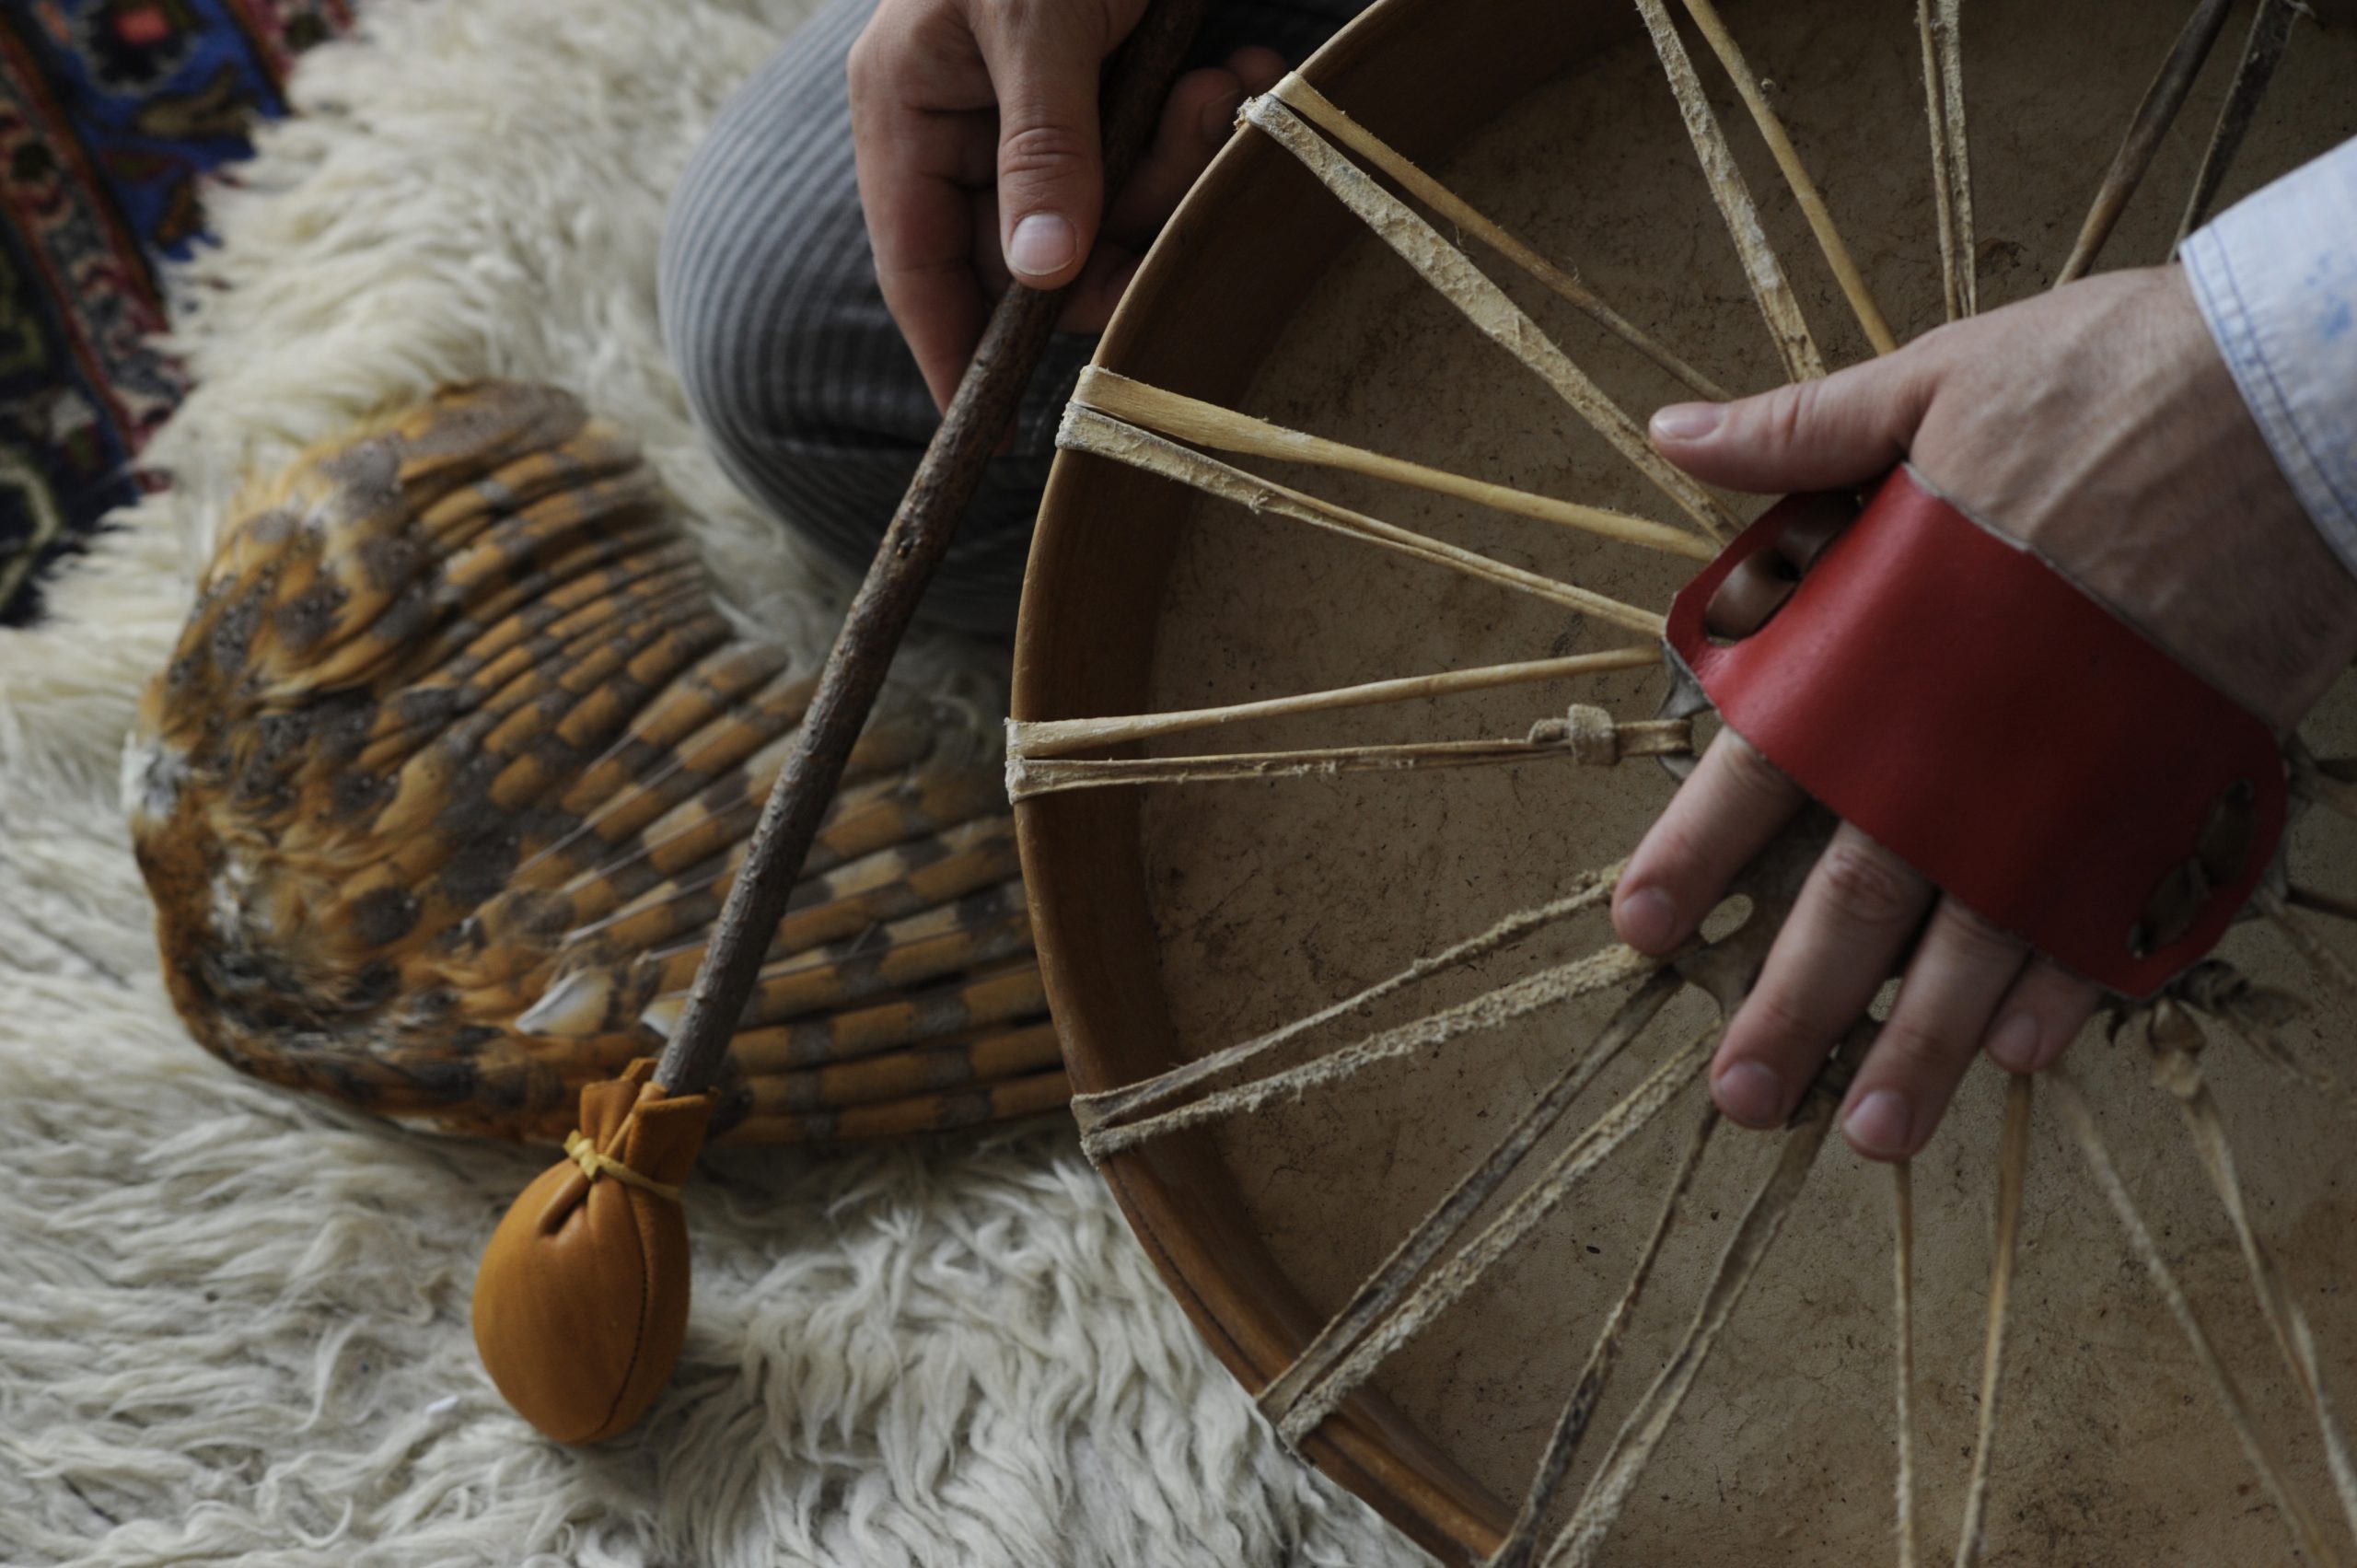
(793, 367)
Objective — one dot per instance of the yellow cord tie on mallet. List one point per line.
(594, 1165)
(582, 1301)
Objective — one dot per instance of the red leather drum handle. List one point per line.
(1947, 691)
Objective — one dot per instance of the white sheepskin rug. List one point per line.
(233, 1322)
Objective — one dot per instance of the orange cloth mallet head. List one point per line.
(582, 1301)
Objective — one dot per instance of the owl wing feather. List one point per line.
(455, 763)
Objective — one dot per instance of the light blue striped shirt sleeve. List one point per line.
(2276, 278)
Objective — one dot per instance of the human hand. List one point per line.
(974, 126)
(2100, 425)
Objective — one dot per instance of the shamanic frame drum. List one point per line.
(2120, 1368)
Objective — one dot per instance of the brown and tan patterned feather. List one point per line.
(452, 769)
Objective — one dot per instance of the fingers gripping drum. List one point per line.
(1960, 701)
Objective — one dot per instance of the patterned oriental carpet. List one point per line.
(112, 112)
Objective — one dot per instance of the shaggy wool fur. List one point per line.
(233, 1322)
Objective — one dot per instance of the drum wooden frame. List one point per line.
(1236, 268)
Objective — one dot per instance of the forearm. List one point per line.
(2276, 279)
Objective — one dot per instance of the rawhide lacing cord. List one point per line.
(2176, 1041)
(1086, 430)
(1103, 1113)
(1563, 1443)
(1770, 287)
(1449, 1283)
(1287, 1398)
(1600, 970)
(2013, 1170)
(1295, 93)
(1903, 1264)
(2268, 1046)
(2270, 31)
(2322, 961)
(1030, 738)
(1941, 27)
(1797, 175)
(1202, 424)
(1641, 1433)
(1484, 304)
(1586, 734)
(2328, 782)
(2255, 1015)
(2305, 1535)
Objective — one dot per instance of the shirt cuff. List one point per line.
(2276, 278)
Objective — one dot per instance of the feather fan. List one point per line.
(452, 768)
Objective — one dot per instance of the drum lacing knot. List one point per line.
(1595, 737)
(2176, 1041)
(1591, 735)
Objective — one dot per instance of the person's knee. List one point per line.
(768, 297)
(727, 334)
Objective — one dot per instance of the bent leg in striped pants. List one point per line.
(794, 369)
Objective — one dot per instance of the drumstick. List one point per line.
(580, 1306)
(912, 546)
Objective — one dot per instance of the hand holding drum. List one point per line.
(2099, 426)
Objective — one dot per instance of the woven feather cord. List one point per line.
(450, 772)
